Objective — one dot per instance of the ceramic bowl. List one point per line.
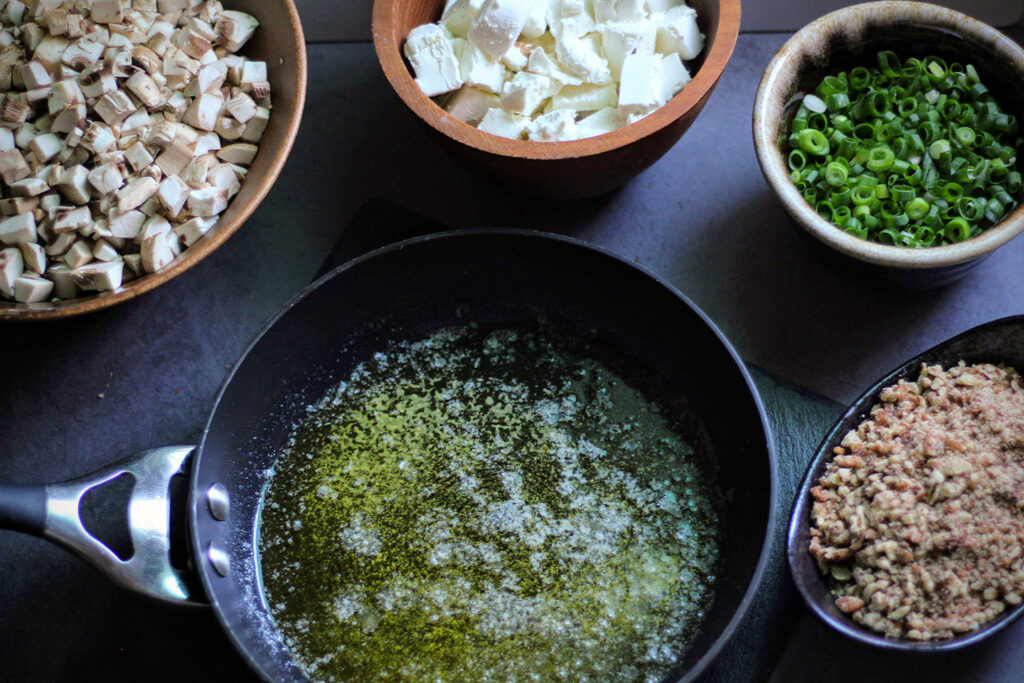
(851, 37)
(279, 42)
(576, 168)
(997, 342)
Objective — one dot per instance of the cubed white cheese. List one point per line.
(661, 6)
(640, 91)
(470, 105)
(542, 63)
(582, 58)
(498, 24)
(586, 97)
(678, 32)
(621, 38)
(458, 15)
(619, 10)
(526, 92)
(674, 75)
(514, 59)
(480, 69)
(501, 122)
(570, 19)
(555, 126)
(537, 21)
(432, 55)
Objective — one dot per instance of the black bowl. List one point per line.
(1000, 341)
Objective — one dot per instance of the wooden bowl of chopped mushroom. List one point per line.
(567, 99)
(908, 529)
(135, 138)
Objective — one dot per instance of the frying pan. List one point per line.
(998, 341)
(404, 291)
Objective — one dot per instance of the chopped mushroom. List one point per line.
(125, 130)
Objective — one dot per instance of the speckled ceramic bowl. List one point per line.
(851, 37)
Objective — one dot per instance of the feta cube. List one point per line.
(431, 52)
(661, 6)
(640, 91)
(621, 38)
(526, 92)
(582, 58)
(586, 97)
(678, 32)
(674, 75)
(501, 122)
(458, 15)
(515, 59)
(555, 126)
(480, 69)
(541, 63)
(619, 10)
(570, 19)
(470, 104)
(498, 24)
(537, 21)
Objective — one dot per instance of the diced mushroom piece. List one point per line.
(24, 135)
(64, 286)
(82, 54)
(13, 112)
(190, 231)
(107, 11)
(114, 107)
(229, 128)
(18, 229)
(13, 206)
(46, 146)
(145, 88)
(11, 267)
(6, 140)
(204, 110)
(135, 194)
(50, 202)
(34, 75)
(207, 142)
(97, 81)
(154, 225)
(35, 98)
(64, 95)
(74, 185)
(224, 177)
(126, 225)
(241, 153)
(156, 252)
(134, 263)
(209, 79)
(13, 166)
(33, 256)
(257, 125)
(30, 289)
(118, 63)
(29, 187)
(194, 175)
(78, 255)
(99, 138)
(138, 156)
(103, 277)
(106, 178)
(135, 125)
(253, 72)
(71, 220)
(235, 28)
(49, 51)
(174, 159)
(173, 194)
(207, 202)
(104, 251)
(69, 119)
(260, 90)
(147, 59)
(241, 107)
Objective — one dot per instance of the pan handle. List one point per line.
(53, 513)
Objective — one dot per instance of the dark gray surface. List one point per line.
(79, 394)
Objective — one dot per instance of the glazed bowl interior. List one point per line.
(852, 37)
(279, 42)
(997, 342)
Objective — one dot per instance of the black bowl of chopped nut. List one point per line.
(908, 529)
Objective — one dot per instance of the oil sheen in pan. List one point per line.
(488, 505)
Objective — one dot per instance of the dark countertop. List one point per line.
(80, 394)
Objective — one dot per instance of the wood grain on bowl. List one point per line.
(577, 168)
(279, 41)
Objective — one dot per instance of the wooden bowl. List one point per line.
(851, 36)
(577, 168)
(280, 43)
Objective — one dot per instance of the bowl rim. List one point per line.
(797, 554)
(776, 172)
(11, 311)
(392, 62)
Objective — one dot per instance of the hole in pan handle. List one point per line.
(53, 512)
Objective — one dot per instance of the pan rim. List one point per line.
(771, 522)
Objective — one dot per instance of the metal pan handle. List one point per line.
(53, 513)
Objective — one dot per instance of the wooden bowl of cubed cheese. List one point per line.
(135, 138)
(560, 98)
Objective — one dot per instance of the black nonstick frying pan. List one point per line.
(404, 291)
